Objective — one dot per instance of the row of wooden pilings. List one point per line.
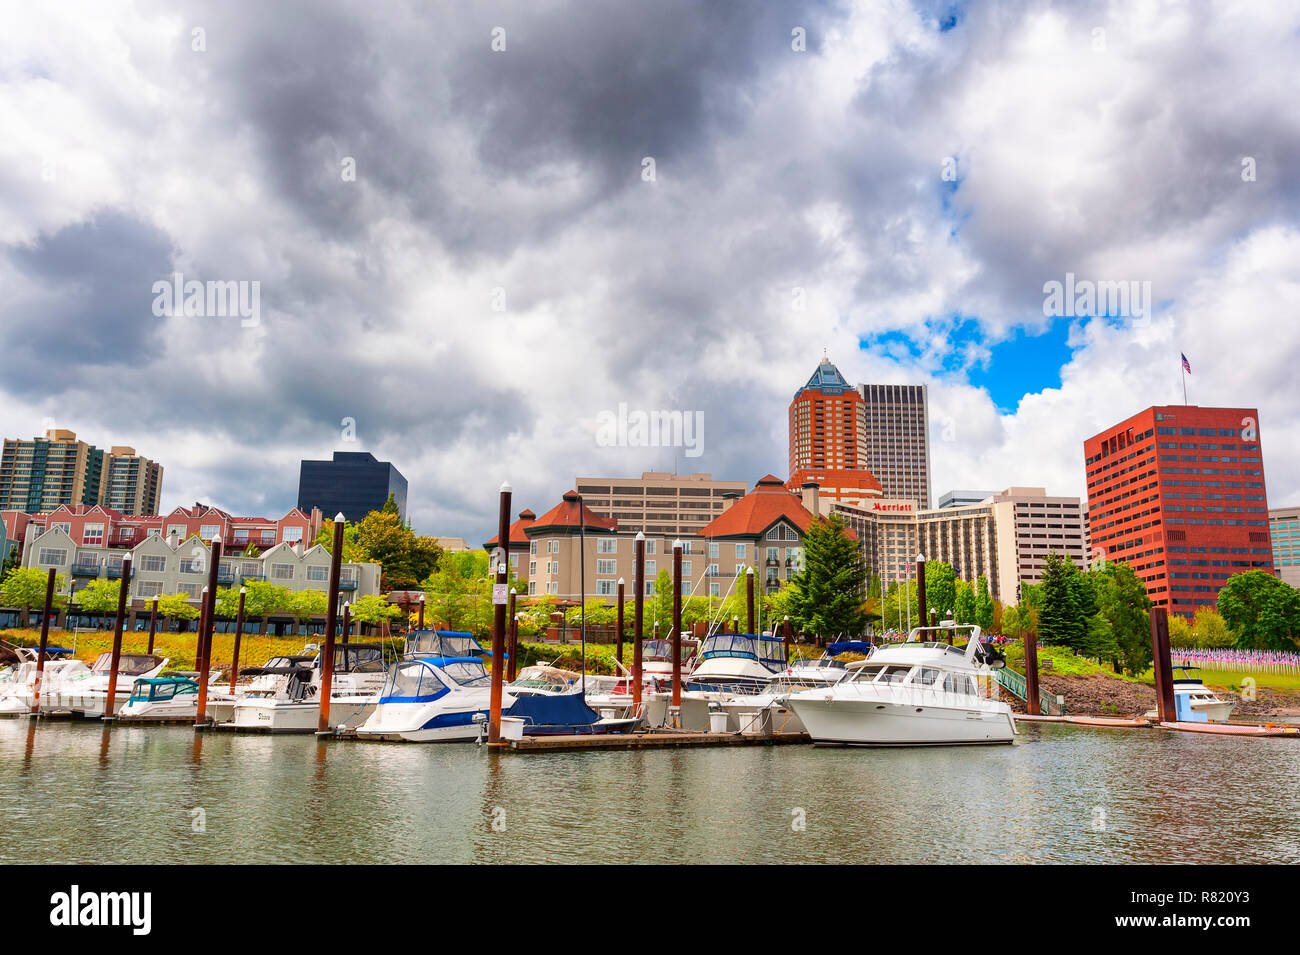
(207, 617)
(1161, 665)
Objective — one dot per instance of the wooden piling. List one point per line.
(512, 641)
(421, 624)
(619, 650)
(1031, 674)
(347, 621)
(45, 642)
(239, 633)
(749, 599)
(920, 589)
(499, 620)
(638, 617)
(124, 587)
(205, 632)
(331, 621)
(677, 623)
(153, 623)
(1166, 712)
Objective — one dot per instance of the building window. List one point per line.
(282, 571)
(317, 572)
(604, 588)
(552, 567)
(606, 566)
(651, 546)
(176, 530)
(93, 534)
(192, 565)
(532, 547)
(607, 545)
(532, 568)
(293, 535)
(552, 547)
(740, 552)
(209, 531)
(532, 588)
(686, 569)
(153, 564)
(52, 556)
(713, 549)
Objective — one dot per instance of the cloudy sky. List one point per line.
(475, 227)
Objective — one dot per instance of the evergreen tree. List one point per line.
(832, 587)
(983, 604)
(1055, 611)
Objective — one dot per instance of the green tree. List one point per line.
(374, 608)
(1180, 632)
(306, 604)
(264, 598)
(964, 607)
(99, 596)
(390, 505)
(405, 559)
(1011, 625)
(983, 604)
(1122, 600)
(940, 588)
(1210, 630)
(832, 587)
(1261, 610)
(176, 607)
(1057, 623)
(24, 587)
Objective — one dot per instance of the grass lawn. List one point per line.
(1058, 660)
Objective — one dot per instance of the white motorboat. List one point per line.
(830, 667)
(737, 663)
(1194, 701)
(657, 662)
(85, 693)
(158, 699)
(285, 697)
(918, 693)
(433, 699)
(18, 691)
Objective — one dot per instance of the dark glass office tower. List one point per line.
(354, 483)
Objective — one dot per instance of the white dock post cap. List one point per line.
(640, 535)
(339, 518)
(620, 581)
(505, 487)
(750, 570)
(677, 545)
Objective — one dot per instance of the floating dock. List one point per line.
(656, 740)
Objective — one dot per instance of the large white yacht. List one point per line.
(920, 693)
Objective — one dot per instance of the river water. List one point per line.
(1064, 794)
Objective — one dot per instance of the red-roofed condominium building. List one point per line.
(1178, 493)
(764, 530)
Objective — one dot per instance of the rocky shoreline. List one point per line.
(1098, 695)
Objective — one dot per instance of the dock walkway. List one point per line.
(676, 739)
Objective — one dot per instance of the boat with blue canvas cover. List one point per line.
(433, 700)
(737, 663)
(564, 714)
(447, 644)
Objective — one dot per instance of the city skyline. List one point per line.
(429, 299)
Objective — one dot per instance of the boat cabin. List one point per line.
(161, 689)
(427, 678)
(769, 651)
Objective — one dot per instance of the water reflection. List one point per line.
(1061, 794)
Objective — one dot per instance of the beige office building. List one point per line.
(1004, 538)
(898, 440)
(659, 502)
(1284, 532)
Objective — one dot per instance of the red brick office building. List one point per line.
(1178, 493)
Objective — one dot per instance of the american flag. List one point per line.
(1187, 366)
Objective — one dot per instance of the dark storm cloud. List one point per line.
(85, 292)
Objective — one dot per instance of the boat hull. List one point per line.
(870, 722)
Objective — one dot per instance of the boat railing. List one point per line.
(923, 694)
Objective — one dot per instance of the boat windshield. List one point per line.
(467, 674)
(745, 646)
(128, 664)
(656, 650)
(358, 659)
(442, 643)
